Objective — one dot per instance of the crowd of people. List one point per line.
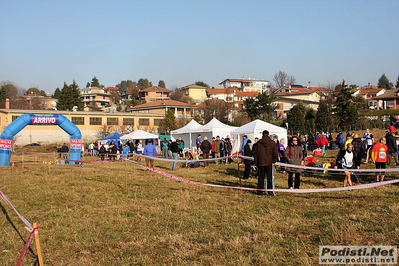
(260, 155)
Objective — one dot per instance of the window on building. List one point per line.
(128, 121)
(78, 120)
(95, 121)
(158, 122)
(112, 121)
(144, 121)
(14, 117)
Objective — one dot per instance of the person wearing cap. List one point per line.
(265, 156)
(247, 163)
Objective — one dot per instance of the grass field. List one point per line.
(87, 216)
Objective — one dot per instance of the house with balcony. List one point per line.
(154, 93)
(246, 85)
(232, 96)
(160, 107)
(95, 98)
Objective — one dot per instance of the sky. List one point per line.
(46, 43)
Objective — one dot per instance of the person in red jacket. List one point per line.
(379, 154)
(323, 142)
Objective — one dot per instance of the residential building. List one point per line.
(232, 96)
(91, 124)
(369, 95)
(95, 98)
(250, 85)
(388, 100)
(288, 96)
(160, 107)
(39, 102)
(154, 93)
(197, 93)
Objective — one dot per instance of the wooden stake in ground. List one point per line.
(125, 174)
(38, 249)
(239, 175)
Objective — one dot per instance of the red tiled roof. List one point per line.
(161, 103)
(246, 93)
(156, 88)
(111, 88)
(228, 90)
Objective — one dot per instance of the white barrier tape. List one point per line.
(26, 222)
(297, 191)
(184, 161)
(328, 169)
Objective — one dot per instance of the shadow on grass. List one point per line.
(19, 234)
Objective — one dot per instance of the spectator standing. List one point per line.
(165, 144)
(174, 149)
(113, 150)
(102, 152)
(379, 156)
(248, 163)
(140, 149)
(198, 144)
(151, 151)
(323, 142)
(216, 146)
(64, 151)
(125, 151)
(265, 156)
(213, 147)
(392, 148)
(294, 155)
(205, 148)
(311, 142)
(180, 143)
(340, 140)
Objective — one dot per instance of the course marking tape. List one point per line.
(316, 190)
(28, 224)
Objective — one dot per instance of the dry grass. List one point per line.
(88, 218)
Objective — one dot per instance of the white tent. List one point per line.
(254, 129)
(186, 133)
(216, 128)
(138, 134)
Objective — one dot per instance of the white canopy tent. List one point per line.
(138, 134)
(216, 128)
(254, 129)
(187, 133)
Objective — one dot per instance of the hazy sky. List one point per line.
(44, 43)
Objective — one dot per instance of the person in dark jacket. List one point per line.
(392, 148)
(102, 152)
(113, 149)
(206, 147)
(248, 163)
(64, 151)
(358, 150)
(294, 155)
(174, 148)
(265, 156)
(311, 142)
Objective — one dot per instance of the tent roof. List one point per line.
(216, 124)
(112, 136)
(257, 126)
(192, 126)
(139, 134)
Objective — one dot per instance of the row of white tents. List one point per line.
(254, 129)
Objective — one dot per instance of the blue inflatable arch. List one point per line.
(12, 129)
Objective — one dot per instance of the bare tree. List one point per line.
(281, 78)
